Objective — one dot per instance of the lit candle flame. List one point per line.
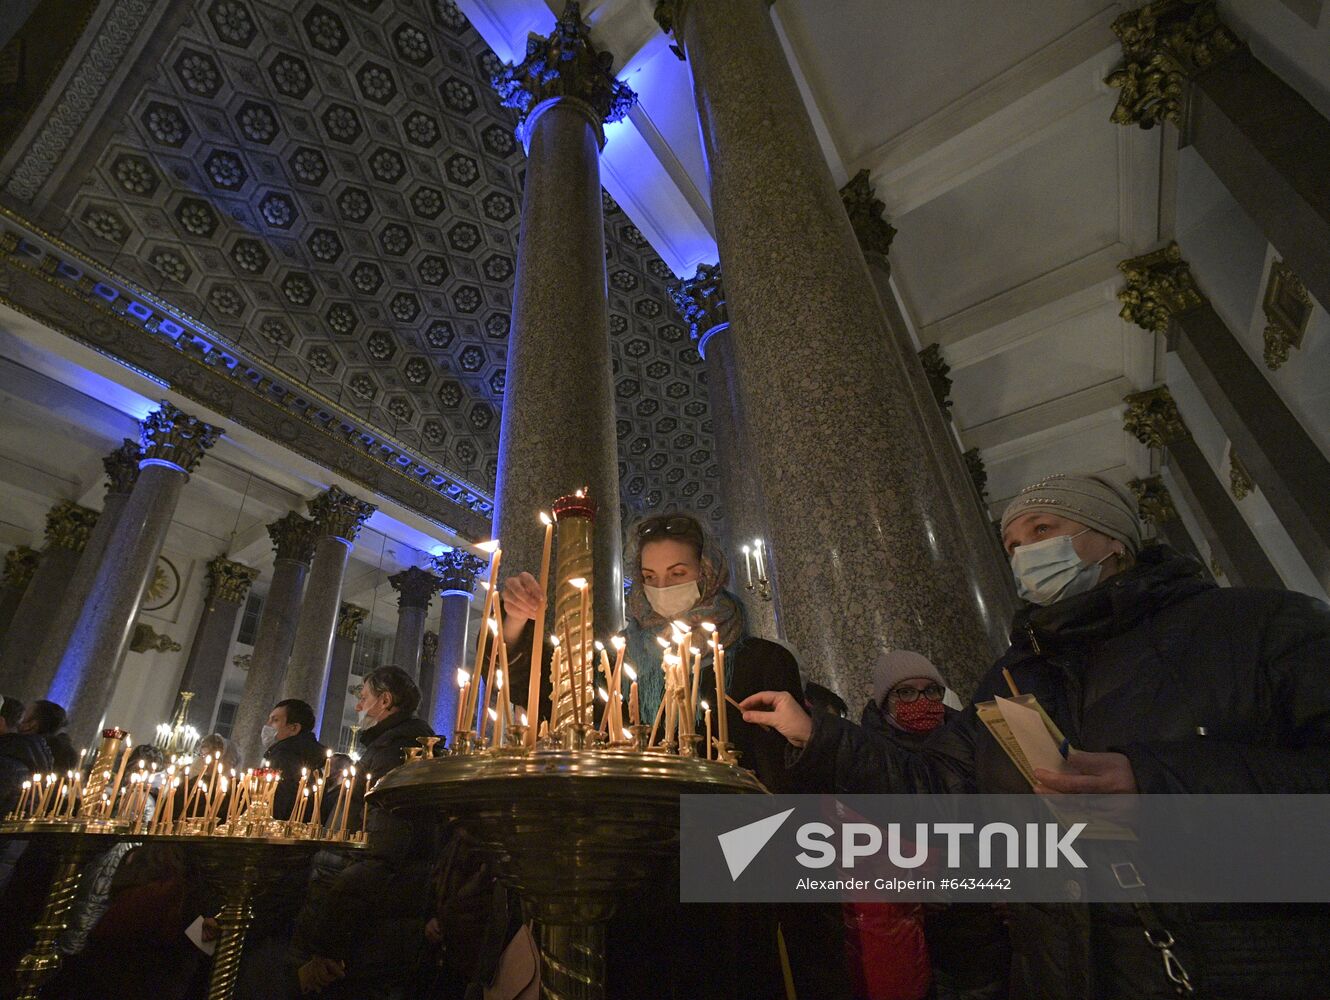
(487, 547)
(463, 678)
(554, 640)
(498, 680)
(664, 643)
(708, 626)
(493, 714)
(494, 627)
(682, 626)
(579, 582)
(545, 519)
(524, 722)
(618, 641)
(628, 669)
(604, 695)
(600, 646)
(705, 707)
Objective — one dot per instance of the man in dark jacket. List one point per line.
(361, 934)
(1166, 684)
(47, 719)
(291, 746)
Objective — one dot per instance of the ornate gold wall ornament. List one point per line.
(340, 514)
(1288, 308)
(1159, 287)
(1163, 45)
(164, 587)
(564, 64)
(701, 302)
(242, 660)
(873, 232)
(293, 537)
(1154, 500)
(1152, 417)
(429, 647)
(229, 581)
(1238, 477)
(122, 467)
(68, 525)
(171, 435)
(937, 370)
(20, 564)
(147, 639)
(974, 464)
(415, 587)
(349, 619)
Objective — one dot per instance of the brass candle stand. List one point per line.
(573, 831)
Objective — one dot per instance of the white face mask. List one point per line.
(671, 602)
(1048, 571)
(268, 736)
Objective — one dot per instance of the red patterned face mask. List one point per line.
(920, 715)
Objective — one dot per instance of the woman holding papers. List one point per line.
(1162, 682)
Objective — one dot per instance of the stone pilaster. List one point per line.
(1280, 456)
(228, 587)
(457, 570)
(415, 587)
(68, 527)
(349, 619)
(293, 538)
(1152, 417)
(173, 443)
(1159, 512)
(1288, 309)
(122, 472)
(20, 565)
(1182, 65)
(557, 434)
(700, 301)
(808, 325)
(339, 517)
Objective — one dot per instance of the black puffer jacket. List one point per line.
(1143, 665)
(21, 756)
(303, 750)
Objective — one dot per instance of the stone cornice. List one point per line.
(174, 437)
(564, 65)
(457, 570)
(122, 467)
(339, 514)
(1152, 417)
(293, 537)
(1163, 45)
(63, 289)
(864, 208)
(415, 587)
(1154, 500)
(68, 526)
(349, 619)
(229, 581)
(1159, 287)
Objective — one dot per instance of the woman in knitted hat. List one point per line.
(1162, 682)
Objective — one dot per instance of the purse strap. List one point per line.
(1161, 940)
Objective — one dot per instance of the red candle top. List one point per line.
(578, 504)
(113, 734)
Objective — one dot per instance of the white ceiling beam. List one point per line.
(1047, 415)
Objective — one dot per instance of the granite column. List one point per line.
(68, 528)
(868, 552)
(293, 538)
(987, 570)
(1162, 297)
(173, 444)
(414, 587)
(339, 517)
(1265, 142)
(122, 471)
(1153, 417)
(557, 433)
(228, 586)
(701, 302)
(458, 570)
(349, 619)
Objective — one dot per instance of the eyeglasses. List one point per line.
(677, 525)
(906, 693)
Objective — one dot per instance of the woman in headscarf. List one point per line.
(678, 573)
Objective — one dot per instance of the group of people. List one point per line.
(1162, 681)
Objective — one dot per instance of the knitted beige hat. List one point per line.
(901, 665)
(1093, 501)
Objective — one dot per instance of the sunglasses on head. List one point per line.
(906, 693)
(671, 526)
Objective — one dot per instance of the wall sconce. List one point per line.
(756, 583)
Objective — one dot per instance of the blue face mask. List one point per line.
(1050, 570)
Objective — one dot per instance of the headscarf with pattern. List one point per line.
(716, 605)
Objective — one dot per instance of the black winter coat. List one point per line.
(21, 756)
(303, 750)
(1143, 665)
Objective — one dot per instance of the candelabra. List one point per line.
(759, 585)
(178, 736)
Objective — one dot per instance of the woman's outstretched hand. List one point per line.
(522, 601)
(780, 711)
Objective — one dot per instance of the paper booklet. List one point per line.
(1024, 730)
